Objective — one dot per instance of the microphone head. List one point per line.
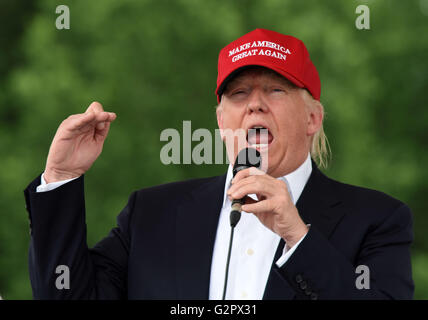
(235, 216)
(246, 158)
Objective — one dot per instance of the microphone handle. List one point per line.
(235, 213)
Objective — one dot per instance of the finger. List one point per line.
(112, 116)
(95, 107)
(259, 207)
(102, 133)
(252, 171)
(104, 126)
(240, 184)
(101, 124)
(90, 122)
(101, 117)
(263, 180)
(86, 121)
(105, 116)
(78, 121)
(253, 188)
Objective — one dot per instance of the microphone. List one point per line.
(246, 158)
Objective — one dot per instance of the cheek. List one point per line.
(231, 120)
(233, 136)
(292, 128)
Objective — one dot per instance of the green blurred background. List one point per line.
(154, 64)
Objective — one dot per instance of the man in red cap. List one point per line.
(301, 234)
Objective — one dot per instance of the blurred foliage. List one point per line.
(154, 64)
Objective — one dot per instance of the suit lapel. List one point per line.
(319, 206)
(196, 226)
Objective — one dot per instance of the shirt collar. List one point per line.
(295, 180)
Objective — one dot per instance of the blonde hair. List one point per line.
(320, 148)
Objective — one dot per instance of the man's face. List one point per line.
(258, 97)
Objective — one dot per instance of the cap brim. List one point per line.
(231, 75)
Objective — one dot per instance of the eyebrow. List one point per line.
(273, 76)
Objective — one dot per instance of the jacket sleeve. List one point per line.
(61, 266)
(317, 270)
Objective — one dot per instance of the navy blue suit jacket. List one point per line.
(163, 244)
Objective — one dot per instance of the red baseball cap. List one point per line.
(283, 54)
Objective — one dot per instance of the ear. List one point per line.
(219, 112)
(315, 118)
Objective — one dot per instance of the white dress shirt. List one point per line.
(50, 186)
(254, 245)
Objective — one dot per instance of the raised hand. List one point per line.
(77, 143)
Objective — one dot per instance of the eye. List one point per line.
(278, 90)
(238, 92)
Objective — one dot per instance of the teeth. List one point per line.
(261, 145)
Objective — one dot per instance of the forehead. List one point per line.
(265, 74)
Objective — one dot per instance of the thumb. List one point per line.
(95, 107)
(101, 126)
(102, 129)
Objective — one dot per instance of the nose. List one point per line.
(256, 102)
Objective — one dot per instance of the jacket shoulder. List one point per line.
(372, 204)
(361, 195)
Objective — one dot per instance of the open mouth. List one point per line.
(259, 137)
